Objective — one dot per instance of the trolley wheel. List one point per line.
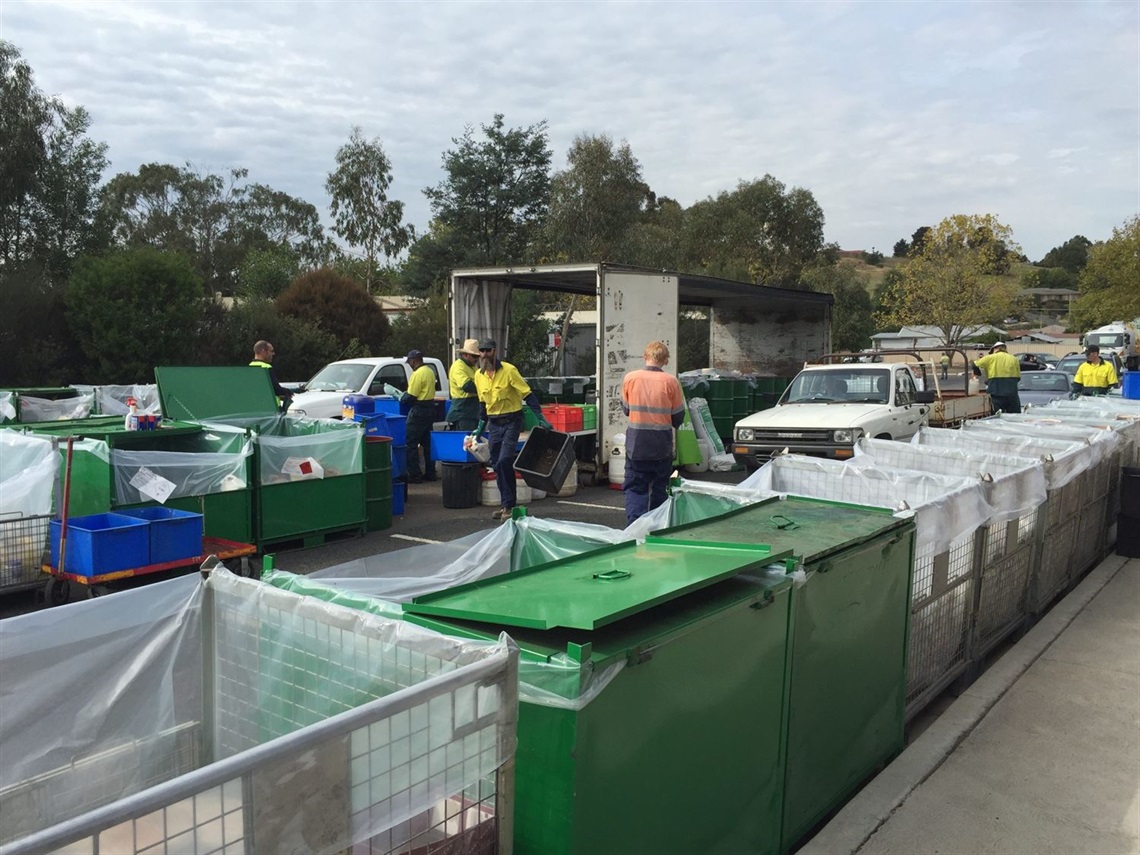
(246, 568)
(94, 591)
(57, 591)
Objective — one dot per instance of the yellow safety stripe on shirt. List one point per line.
(1096, 376)
(457, 377)
(503, 392)
(999, 365)
(421, 385)
(257, 363)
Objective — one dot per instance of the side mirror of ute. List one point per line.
(924, 397)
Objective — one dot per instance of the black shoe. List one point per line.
(415, 480)
(432, 478)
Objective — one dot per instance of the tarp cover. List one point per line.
(295, 448)
(192, 474)
(106, 697)
(28, 467)
(34, 409)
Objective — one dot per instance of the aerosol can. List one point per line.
(131, 422)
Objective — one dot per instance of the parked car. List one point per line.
(1069, 364)
(1040, 387)
(323, 396)
(1048, 359)
(1030, 362)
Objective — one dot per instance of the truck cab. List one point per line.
(828, 408)
(322, 396)
(1118, 338)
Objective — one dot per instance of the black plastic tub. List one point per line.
(545, 459)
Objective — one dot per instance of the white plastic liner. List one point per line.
(191, 473)
(112, 400)
(1125, 426)
(1014, 486)
(105, 698)
(28, 468)
(1103, 443)
(1063, 459)
(34, 409)
(7, 406)
(945, 508)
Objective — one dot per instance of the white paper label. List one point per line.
(303, 467)
(152, 485)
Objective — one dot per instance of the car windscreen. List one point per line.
(1105, 339)
(1070, 363)
(1044, 381)
(852, 385)
(339, 377)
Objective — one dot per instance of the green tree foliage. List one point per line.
(424, 329)
(529, 347)
(948, 282)
(49, 173)
(693, 332)
(901, 248)
(36, 347)
(595, 201)
(759, 232)
(873, 258)
(339, 305)
(1049, 277)
(492, 205)
(918, 238)
(852, 321)
(211, 219)
(1110, 282)
(132, 310)
(1071, 256)
(302, 347)
(266, 273)
(365, 217)
(656, 239)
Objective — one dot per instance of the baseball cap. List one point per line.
(414, 354)
(487, 344)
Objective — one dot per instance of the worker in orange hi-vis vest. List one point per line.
(656, 407)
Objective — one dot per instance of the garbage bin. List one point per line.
(848, 643)
(652, 688)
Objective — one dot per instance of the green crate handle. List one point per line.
(612, 575)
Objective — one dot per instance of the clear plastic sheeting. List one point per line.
(202, 716)
(1103, 443)
(556, 681)
(7, 406)
(34, 409)
(296, 449)
(191, 473)
(946, 508)
(112, 400)
(28, 467)
(1064, 459)
(1014, 486)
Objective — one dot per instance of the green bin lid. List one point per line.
(811, 528)
(192, 393)
(595, 589)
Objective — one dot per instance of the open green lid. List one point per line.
(595, 589)
(214, 392)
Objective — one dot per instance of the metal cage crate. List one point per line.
(23, 539)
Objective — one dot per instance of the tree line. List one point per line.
(103, 279)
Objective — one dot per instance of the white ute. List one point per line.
(828, 408)
(323, 396)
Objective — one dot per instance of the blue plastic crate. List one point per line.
(399, 460)
(102, 543)
(375, 424)
(447, 445)
(399, 488)
(387, 405)
(397, 428)
(174, 534)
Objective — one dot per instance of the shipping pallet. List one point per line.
(308, 541)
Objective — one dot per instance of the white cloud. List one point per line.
(893, 115)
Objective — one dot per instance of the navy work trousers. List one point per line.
(502, 437)
(644, 485)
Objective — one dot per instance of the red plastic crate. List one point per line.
(562, 417)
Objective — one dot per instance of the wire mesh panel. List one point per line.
(23, 540)
(941, 605)
(1053, 568)
(332, 730)
(1004, 588)
(1090, 535)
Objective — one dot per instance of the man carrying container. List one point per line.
(656, 407)
(421, 416)
(1003, 373)
(502, 393)
(464, 412)
(1094, 376)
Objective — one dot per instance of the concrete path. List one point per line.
(1040, 755)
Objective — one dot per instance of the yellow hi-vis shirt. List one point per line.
(421, 385)
(1100, 376)
(999, 365)
(458, 376)
(503, 392)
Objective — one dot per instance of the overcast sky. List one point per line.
(893, 114)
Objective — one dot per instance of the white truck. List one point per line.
(828, 408)
(1119, 337)
(322, 397)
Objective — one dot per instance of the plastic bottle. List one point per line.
(131, 422)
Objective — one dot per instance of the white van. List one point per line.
(322, 397)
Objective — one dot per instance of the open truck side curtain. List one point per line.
(752, 328)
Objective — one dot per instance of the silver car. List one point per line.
(1041, 387)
